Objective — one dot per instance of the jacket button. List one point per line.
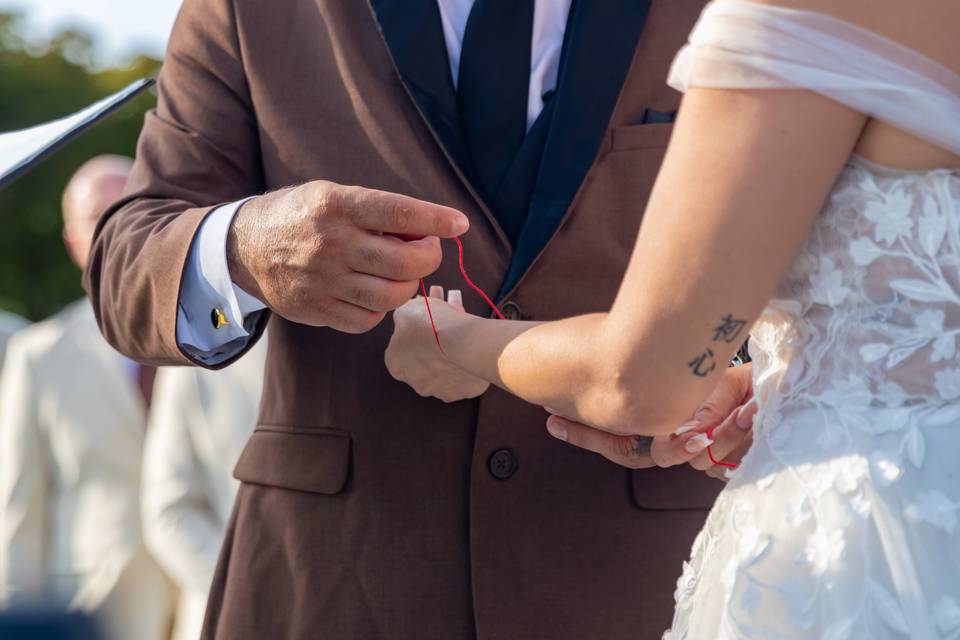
(502, 464)
(511, 311)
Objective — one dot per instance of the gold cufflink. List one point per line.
(218, 319)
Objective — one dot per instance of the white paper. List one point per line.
(20, 150)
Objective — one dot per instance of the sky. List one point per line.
(121, 28)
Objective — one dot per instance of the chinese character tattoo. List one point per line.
(703, 365)
(728, 329)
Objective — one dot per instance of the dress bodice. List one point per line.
(829, 527)
(869, 314)
(843, 519)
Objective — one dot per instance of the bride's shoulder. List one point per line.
(925, 26)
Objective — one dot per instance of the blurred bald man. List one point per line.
(72, 428)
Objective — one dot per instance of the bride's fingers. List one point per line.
(733, 436)
(628, 451)
(680, 447)
(747, 413)
(455, 299)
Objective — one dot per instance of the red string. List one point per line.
(436, 336)
(721, 463)
(492, 305)
(463, 272)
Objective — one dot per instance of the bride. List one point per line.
(824, 135)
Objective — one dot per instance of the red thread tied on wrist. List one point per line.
(470, 283)
(466, 278)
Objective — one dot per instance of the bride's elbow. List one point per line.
(629, 402)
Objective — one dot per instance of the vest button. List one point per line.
(511, 311)
(502, 464)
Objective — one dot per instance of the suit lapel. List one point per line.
(413, 32)
(600, 44)
(408, 28)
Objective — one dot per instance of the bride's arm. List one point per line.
(743, 180)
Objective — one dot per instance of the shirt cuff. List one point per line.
(215, 317)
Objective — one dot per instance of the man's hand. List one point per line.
(413, 356)
(322, 254)
(728, 412)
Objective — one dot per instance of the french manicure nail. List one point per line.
(557, 430)
(745, 416)
(697, 443)
(687, 428)
(436, 291)
(455, 297)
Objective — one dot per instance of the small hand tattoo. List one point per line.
(728, 329)
(641, 445)
(703, 365)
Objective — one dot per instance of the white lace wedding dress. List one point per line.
(843, 520)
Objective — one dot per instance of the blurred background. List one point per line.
(115, 478)
(57, 56)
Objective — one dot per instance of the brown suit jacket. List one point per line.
(366, 511)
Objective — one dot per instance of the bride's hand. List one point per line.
(414, 357)
(727, 414)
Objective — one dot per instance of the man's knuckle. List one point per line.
(373, 255)
(327, 244)
(396, 296)
(435, 260)
(400, 215)
(367, 298)
(329, 201)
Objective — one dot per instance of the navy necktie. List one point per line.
(493, 86)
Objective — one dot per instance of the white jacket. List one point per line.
(9, 324)
(199, 422)
(72, 428)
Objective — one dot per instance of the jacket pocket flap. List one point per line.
(641, 136)
(314, 461)
(679, 487)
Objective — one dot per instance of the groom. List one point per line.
(366, 511)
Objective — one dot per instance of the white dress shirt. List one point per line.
(207, 285)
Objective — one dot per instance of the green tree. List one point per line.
(40, 82)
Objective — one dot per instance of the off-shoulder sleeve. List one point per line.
(745, 45)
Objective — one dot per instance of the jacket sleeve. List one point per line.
(23, 482)
(180, 527)
(199, 149)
